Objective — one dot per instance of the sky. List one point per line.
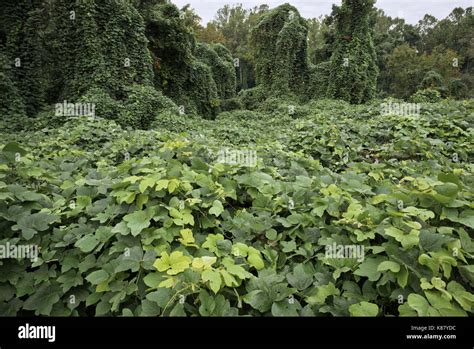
(411, 10)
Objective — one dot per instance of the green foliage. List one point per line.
(231, 104)
(178, 73)
(427, 95)
(105, 106)
(143, 105)
(280, 50)
(252, 97)
(319, 79)
(432, 80)
(354, 71)
(11, 104)
(411, 71)
(219, 59)
(138, 110)
(24, 56)
(101, 44)
(134, 211)
(458, 89)
(149, 223)
(232, 27)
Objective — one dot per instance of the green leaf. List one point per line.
(300, 278)
(42, 300)
(255, 259)
(369, 269)
(173, 264)
(229, 279)
(146, 183)
(30, 225)
(208, 305)
(234, 269)
(137, 221)
(173, 185)
(419, 304)
(407, 240)
(271, 234)
(216, 208)
(14, 148)
(258, 300)
(161, 184)
(87, 243)
(152, 280)
(464, 298)
(467, 218)
(211, 242)
(447, 189)
(467, 272)
(389, 265)
(364, 309)
(322, 292)
(187, 238)
(97, 277)
(402, 277)
(203, 263)
(214, 278)
(160, 296)
(240, 250)
(286, 308)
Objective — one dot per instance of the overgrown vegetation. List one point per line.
(259, 169)
(149, 223)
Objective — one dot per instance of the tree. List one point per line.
(320, 39)
(178, 72)
(219, 59)
(409, 70)
(21, 23)
(280, 48)
(100, 44)
(389, 33)
(455, 32)
(354, 71)
(235, 24)
(211, 34)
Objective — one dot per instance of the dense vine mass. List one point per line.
(265, 164)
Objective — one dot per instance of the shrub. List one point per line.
(458, 89)
(252, 97)
(105, 106)
(238, 115)
(426, 96)
(142, 106)
(231, 104)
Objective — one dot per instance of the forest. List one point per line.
(260, 164)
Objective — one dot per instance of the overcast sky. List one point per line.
(411, 10)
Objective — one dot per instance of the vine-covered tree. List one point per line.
(100, 44)
(219, 59)
(281, 52)
(20, 23)
(178, 73)
(353, 73)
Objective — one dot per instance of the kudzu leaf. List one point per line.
(97, 277)
(364, 309)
